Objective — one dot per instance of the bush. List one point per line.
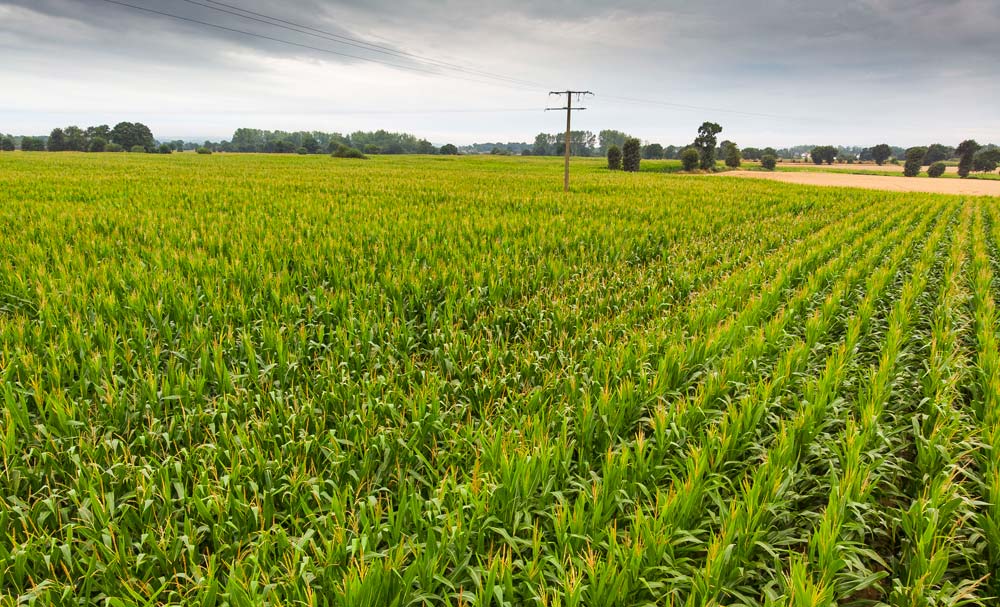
(936, 170)
(446, 149)
(914, 160)
(344, 151)
(371, 148)
(166, 149)
(98, 144)
(690, 159)
(205, 151)
(302, 151)
(615, 158)
(733, 158)
(113, 147)
(631, 155)
(138, 149)
(769, 162)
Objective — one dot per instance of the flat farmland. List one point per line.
(282, 380)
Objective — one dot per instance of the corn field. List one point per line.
(259, 380)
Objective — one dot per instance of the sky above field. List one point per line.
(780, 72)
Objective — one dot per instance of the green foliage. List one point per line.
(966, 157)
(32, 144)
(705, 144)
(937, 169)
(769, 162)
(7, 144)
(732, 155)
(614, 158)
(131, 135)
(631, 155)
(914, 158)
(881, 153)
(823, 153)
(56, 141)
(262, 381)
(97, 144)
(113, 147)
(986, 160)
(653, 151)
(204, 151)
(608, 138)
(938, 153)
(690, 159)
(138, 149)
(344, 151)
(449, 150)
(165, 149)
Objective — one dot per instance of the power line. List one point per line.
(300, 45)
(355, 42)
(700, 108)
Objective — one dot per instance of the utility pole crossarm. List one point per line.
(569, 113)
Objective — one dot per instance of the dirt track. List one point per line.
(963, 187)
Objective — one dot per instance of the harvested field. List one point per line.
(964, 187)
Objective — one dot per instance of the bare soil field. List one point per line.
(970, 187)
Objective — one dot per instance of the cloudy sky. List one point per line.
(775, 72)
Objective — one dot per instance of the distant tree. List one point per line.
(631, 155)
(914, 156)
(371, 148)
(615, 158)
(769, 161)
(653, 151)
(937, 153)
(129, 135)
(671, 152)
(751, 153)
(310, 144)
(986, 160)
(204, 151)
(823, 153)
(732, 157)
(113, 147)
(608, 138)
(103, 131)
(690, 159)
(284, 147)
(769, 152)
(7, 144)
(97, 144)
(76, 139)
(705, 143)
(165, 149)
(446, 149)
(966, 156)
(138, 149)
(57, 141)
(32, 144)
(426, 147)
(344, 151)
(302, 151)
(881, 153)
(866, 155)
(937, 169)
(177, 145)
(542, 145)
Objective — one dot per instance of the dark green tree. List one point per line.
(310, 144)
(57, 141)
(966, 156)
(653, 151)
(769, 161)
(426, 147)
(130, 135)
(97, 144)
(165, 149)
(937, 169)
(823, 153)
(914, 158)
(631, 155)
(7, 144)
(751, 154)
(690, 159)
(881, 153)
(986, 160)
(937, 153)
(449, 150)
(76, 139)
(615, 158)
(608, 138)
(705, 143)
(32, 144)
(731, 155)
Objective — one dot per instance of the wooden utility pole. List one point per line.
(569, 113)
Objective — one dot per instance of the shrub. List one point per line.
(446, 149)
(204, 150)
(113, 147)
(733, 158)
(936, 170)
(165, 149)
(769, 162)
(615, 158)
(371, 148)
(98, 144)
(302, 151)
(914, 160)
(690, 159)
(344, 151)
(631, 155)
(137, 149)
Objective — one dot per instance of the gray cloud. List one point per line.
(858, 64)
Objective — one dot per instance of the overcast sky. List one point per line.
(780, 72)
